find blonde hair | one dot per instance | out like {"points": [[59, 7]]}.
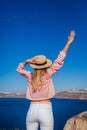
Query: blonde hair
{"points": [[36, 79]]}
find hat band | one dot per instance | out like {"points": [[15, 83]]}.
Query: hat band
{"points": [[40, 64]]}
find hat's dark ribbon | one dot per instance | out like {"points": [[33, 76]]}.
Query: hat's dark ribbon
{"points": [[40, 64]]}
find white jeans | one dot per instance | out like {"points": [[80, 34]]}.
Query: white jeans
{"points": [[40, 113]]}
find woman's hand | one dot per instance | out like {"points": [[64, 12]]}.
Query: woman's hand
{"points": [[71, 37], [70, 40], [28, 61]]}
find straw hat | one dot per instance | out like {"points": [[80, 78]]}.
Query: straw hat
{"points": [[40, 62]]}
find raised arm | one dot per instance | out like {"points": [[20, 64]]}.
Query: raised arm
{"points": [[58, 63], [70, 40]]}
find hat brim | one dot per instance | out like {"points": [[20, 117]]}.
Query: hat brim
{"points": [[48, 64]]}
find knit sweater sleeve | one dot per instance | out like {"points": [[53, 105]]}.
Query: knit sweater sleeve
{"points": [[58, 63]]}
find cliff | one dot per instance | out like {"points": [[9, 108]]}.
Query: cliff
{"points": [[72, 94], [78, 122]]}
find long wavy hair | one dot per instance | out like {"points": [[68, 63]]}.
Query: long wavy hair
{"points": [[36, 79]]}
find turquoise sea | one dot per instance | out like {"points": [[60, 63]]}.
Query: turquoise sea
{"points": [[13, 112]]}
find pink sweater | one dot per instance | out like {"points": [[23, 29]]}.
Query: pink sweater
{"points": [[47, 90]]}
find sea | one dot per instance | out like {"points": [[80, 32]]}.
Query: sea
{"points": [[13, 112]]}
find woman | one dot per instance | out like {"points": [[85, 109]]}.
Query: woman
{"points": [[40, 87]]}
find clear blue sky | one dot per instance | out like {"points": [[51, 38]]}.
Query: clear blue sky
{"points": [[32, 27]]}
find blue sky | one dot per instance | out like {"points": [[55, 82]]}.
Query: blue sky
{"points": [[32, 27]]}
